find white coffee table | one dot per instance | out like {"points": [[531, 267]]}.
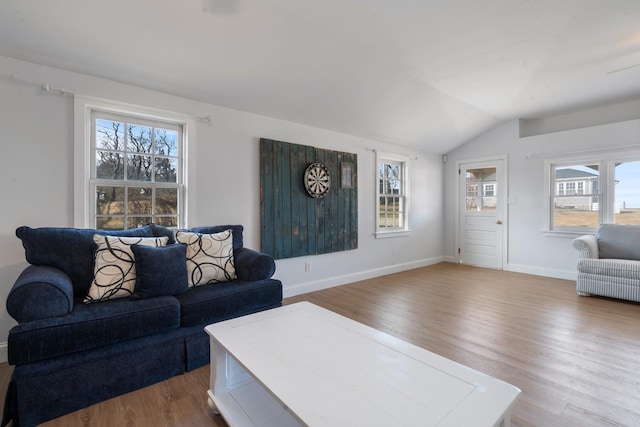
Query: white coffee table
{"points": [[302, 365]]}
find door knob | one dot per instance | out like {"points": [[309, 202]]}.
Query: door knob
{"points": [[498, 222]]}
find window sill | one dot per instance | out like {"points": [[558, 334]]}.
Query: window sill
{"points": [[567, 234], [389, 234]]}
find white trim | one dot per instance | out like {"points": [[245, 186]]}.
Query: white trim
{"points": [[83, 106], [541, 271], [330, 282], [394, 233]]}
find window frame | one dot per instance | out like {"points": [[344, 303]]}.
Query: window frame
{"points": [[403, 162], [85, 182], [606, 162]]}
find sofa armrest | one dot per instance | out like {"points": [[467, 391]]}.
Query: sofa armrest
{"points": [[253, 265], [587, 246], [40, 292]]}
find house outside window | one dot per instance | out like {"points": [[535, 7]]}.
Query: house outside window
{"points": [[489, 190], [605, 190], [392, 195], [134, 167], [485, 179]]}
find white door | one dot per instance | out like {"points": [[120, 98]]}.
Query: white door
{"points": [[481, 224]]}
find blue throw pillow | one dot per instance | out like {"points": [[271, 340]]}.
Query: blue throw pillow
{"points": [[160, 270]]}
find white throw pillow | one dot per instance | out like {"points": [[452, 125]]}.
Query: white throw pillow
{"points": [[114, 274], [209, 257]]}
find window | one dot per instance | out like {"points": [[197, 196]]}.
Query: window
{"points": [[489, 190], [134, 168], [589, 193], [392, 200]]}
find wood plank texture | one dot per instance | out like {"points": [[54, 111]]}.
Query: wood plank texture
{"points": [[293, 223], [576, 359]]}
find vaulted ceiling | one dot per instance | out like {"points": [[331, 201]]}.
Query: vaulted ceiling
{"points": [[430, 74]]}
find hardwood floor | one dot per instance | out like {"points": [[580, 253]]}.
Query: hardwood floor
{"points": [[576, 359]]}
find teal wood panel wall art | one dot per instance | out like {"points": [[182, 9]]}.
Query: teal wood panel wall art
{"points": [[293, 223]]}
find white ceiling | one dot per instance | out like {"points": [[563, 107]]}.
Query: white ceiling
{"points": [[423, 73]]}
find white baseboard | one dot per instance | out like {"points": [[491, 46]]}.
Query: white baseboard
{"points": [[546, 272], [3, 352], [305, 287]]}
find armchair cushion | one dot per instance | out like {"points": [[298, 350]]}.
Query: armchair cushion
{"points": [[612, 268], [40, 292], [619, 241]]}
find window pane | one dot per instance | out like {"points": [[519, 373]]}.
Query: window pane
{"points": [[167, 221], [576, 203], [109, 165], [139, 168], [110, 223], [576, 211], [627, 193], [166, 169], [109, 135], [392, 172], [137, 222], [109, 200], [139, 139], [167, 201], [481, 189], [139, 200], [166, 142], [571, 178]]}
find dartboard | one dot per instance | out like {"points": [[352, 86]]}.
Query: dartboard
{"points": [[317, 180]]}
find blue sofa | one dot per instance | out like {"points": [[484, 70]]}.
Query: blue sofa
{"points": [[69, 354]]}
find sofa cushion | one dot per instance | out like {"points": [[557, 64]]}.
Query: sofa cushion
{"points": [[619, 241], [69, 249], [40, 292], [91, 326], [114, 267], [209, 256], [220, 301], [160, 271]]}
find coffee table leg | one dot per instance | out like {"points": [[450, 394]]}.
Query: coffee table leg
{"points": [[218, 383], [213, 406]]}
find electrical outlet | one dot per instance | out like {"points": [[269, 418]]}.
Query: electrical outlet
{"points": [[307, 266]]}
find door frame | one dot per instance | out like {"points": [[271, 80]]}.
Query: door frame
{"points": [[503, 203]]}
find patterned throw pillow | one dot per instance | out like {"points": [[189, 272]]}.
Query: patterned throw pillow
{"points": [[114, 274], [209, 257]]}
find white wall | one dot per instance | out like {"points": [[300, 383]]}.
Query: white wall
{"points": [[36, 185], [530, 249]]}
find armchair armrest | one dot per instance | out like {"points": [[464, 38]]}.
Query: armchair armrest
{"points": [[253, 265], [40, 292], [587, 246]]}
